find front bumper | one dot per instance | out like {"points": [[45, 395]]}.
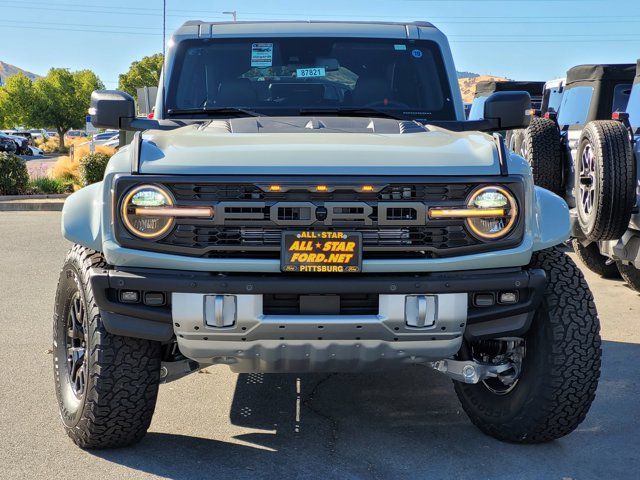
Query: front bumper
{"points": [[256, 340]]}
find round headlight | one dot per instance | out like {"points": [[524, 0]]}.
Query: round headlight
{"points": [[140, 212], [497, 212]]}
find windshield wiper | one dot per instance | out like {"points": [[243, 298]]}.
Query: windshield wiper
{"points": [[231, 111], [350, 112]]}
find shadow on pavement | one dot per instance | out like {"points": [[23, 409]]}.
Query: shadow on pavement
{"points": [[405, 424]]}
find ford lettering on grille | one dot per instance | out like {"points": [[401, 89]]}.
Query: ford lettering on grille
{"points": [[328, 213]]}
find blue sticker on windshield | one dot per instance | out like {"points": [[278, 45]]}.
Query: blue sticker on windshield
{"points": [[417, 53]]}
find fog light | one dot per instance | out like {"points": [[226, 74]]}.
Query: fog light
{"points": [[508, 297], [154, 299], [484, 299], [129, 296]]}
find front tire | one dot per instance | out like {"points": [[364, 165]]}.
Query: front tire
{"points": [[106, 385], [560, 369]]}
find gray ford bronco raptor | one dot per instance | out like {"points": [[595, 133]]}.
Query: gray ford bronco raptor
{"points": [[309, 197]]}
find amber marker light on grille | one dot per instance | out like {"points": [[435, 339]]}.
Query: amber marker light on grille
{"points": [[321, 188], [367, 188], [275, 188]]}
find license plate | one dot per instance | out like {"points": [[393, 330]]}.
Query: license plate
{"points": [[321, 252]]}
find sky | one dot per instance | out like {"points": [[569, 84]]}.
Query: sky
{"points": [[518, 39]]}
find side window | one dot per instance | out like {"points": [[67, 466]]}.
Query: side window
{"points": [[621, 97], [633, 107], [575, 106]]}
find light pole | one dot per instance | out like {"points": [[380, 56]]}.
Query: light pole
{"points": [[233, 13], [164, 24]]}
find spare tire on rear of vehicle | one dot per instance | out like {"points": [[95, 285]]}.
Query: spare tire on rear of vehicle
{"points": [[605, 176], [541, 147]]}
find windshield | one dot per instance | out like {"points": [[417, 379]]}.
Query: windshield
{"points": [[281, 76]]}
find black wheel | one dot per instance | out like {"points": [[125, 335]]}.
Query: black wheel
{"points": [[541, 147], [550, 393], [605, 180], [630, 274], [591, 257], [106, 384]]}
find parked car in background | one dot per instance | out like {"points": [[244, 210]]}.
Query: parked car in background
{"points": [[7, 144], [22, 143], [35, 151], [38, 133], [75, 133], [488, 87], [52, 133], [106, 136], [583, 155], [23, 134], [612, 147]]}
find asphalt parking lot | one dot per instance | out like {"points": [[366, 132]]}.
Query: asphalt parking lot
{"points": [[217, 424]]}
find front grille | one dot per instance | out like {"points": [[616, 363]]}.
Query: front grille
{"points": [[203, 237], [390, 215], [215, 192]]}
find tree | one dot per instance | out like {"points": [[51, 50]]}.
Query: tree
{"points": [[62, 99], [17, 102], [142, 73]]}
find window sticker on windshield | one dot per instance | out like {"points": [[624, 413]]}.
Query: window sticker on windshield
{"points": [[262, 55], [400, 47], [311, 72], [417, 53]]}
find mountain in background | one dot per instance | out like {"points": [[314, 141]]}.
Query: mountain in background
{"points": [[467, 74], [468, 82], [7, 70]]}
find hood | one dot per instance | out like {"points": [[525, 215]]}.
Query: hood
{"points": [[323, 145]]}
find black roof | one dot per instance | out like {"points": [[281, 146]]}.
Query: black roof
{"points": [[595, 73], [487, 87]]}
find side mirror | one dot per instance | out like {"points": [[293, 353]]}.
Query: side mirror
{"points": [[508, 110], [112, 109]]}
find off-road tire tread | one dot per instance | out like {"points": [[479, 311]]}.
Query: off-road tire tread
{"points": [[629, 274], [125, 374], [616, 170], [591, 257], [544, 154], [571, 366]]}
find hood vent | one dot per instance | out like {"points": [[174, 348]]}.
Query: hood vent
{"points": [[320, 124]]}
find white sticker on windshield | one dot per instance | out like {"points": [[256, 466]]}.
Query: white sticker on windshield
{"points": [[311, 72], [262, 55]]}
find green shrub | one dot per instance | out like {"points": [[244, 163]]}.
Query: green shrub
{"points": [[14, 176], [92, 167], [45, 185]]}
